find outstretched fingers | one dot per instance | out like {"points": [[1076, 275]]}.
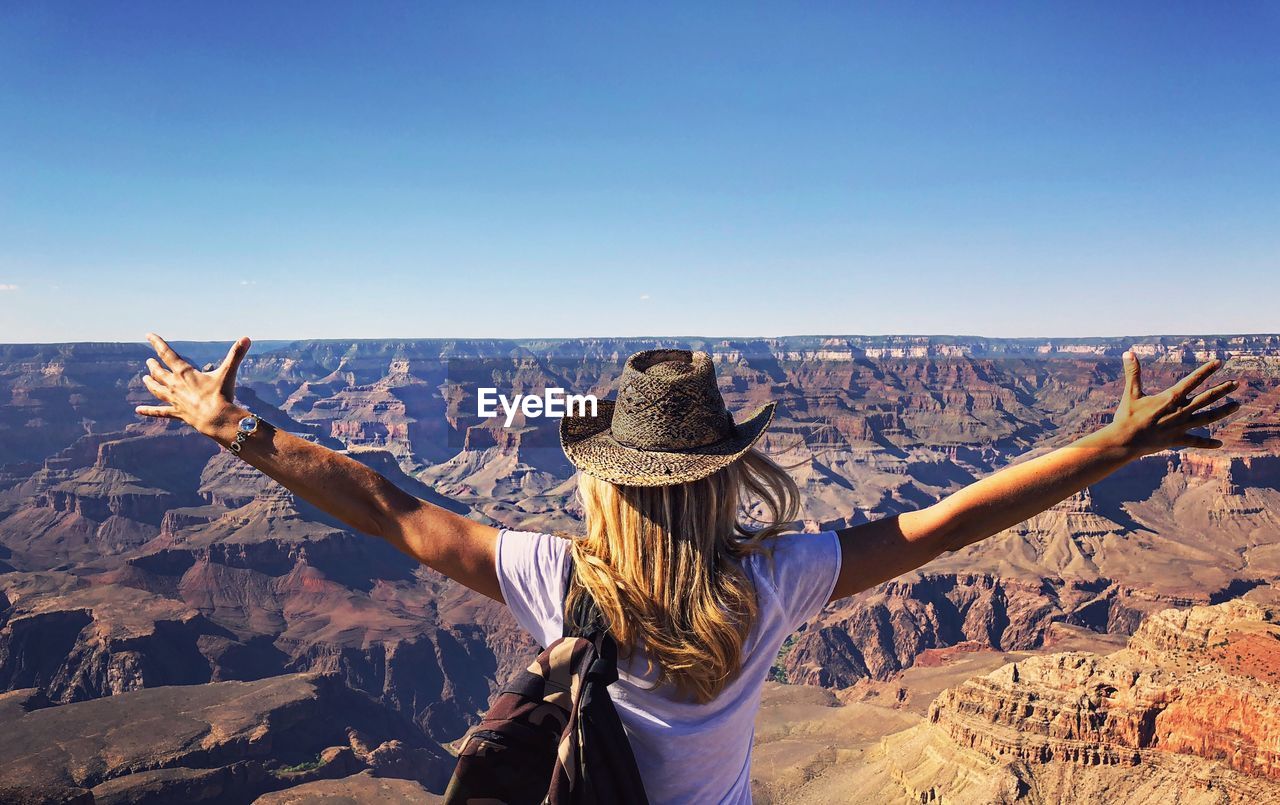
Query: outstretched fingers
{"points": [[1132, 376], [163, 411], [235, 355], [157, 371], [231, 364], [1184, 386], [160, 390], [1211, 415], [1210, 396], [175, 362]]}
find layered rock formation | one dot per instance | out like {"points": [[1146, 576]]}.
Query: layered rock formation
{"points": [[1189, 712], [135, 556]]}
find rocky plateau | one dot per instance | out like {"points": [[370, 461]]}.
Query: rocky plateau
{"points": [[174, 625]]}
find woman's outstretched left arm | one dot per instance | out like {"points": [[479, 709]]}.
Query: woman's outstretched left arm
{"points": [[882, 549], [337, 484]]}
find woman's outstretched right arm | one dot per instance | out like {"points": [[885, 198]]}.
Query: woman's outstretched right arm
{"points": [[882, 549], [337, 484]]}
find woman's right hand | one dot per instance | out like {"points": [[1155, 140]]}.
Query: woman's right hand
{"points": [[1151, 423]]}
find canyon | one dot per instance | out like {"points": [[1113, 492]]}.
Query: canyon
{"points": [[1117, 645]]}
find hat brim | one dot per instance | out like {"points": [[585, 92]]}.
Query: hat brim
{"points": [[589, 445]]}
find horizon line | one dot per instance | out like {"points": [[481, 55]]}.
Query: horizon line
{"points": [[1260, 334]]}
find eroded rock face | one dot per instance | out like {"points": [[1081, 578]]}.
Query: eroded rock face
{"points": [[134, 555], [219, 742], [883, 631], [419, 653], [1193, 704], [876, 634]]}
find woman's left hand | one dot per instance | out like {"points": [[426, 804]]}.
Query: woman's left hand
{"points": [[1146, 423], [204, 400]]}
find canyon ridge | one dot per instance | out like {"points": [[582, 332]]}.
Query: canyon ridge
{"points": [[174, 625]]}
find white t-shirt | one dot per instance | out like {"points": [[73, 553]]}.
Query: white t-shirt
{"points": [[686, 752]]}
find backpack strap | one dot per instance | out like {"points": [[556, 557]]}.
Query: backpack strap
{"points": [[586, 620], [606, 770]]}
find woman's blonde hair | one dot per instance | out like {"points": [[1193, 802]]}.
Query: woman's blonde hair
{"points": [[660, 563]]}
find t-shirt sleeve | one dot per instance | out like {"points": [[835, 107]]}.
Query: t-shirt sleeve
{"points": [[803, 573], [531, 569]]}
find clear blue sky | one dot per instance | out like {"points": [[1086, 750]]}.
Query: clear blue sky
{"points": [[294, 170]]}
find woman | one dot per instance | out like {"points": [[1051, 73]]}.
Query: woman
{"points": [[698, 602]]}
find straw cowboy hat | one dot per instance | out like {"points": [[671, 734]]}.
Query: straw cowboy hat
{"points": [[669, 424]]}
